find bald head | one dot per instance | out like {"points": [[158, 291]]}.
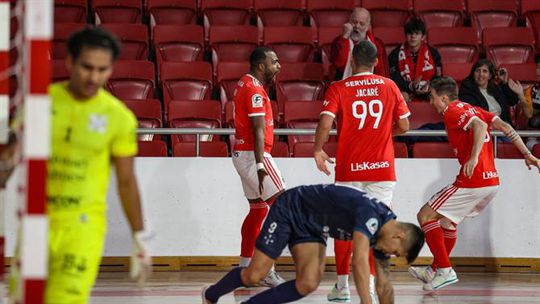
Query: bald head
{"points": [[360, 12], [360, 21]]}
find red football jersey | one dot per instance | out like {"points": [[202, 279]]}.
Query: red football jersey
{"points": [[250, 99], [366, 107], [457, 118]]}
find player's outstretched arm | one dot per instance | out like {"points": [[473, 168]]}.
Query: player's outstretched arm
{"points": [[360, 266], [508, 130], [141, 262], [321, 137], [385, 289], [479, 129]]}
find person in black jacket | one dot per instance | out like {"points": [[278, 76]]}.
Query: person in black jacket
{"points": [[491, 89]]}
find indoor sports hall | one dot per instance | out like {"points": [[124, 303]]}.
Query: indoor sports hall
{"points": [[178, 71]]}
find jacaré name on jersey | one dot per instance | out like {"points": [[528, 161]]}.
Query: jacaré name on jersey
{"points": [[369, 166], [364, 82], [367, 92]]}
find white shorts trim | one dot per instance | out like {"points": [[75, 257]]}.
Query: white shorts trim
{"points": [[383, 191], [244, 162], [457, 203]]}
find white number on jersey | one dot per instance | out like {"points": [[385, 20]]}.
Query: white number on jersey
{"points": [[361, 110]]}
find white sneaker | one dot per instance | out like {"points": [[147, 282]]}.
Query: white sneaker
{"points": [[272, 279], [203, 295], [424, 274], [342, 295], [443, 278]]}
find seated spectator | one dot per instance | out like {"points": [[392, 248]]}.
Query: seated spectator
{"points": [[491, 89], [532, 110], [356, 30], [414, 64]]}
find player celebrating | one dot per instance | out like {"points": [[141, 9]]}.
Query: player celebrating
{"points": [[368, 107], [303, 218], [90, 128], [475, 186], [254, 122]]}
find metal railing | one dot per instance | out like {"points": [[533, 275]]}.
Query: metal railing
{"points": [[204, 131]]}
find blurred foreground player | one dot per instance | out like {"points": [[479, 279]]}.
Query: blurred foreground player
{"points": [[476, 184], [90, 129], [303, 218]]}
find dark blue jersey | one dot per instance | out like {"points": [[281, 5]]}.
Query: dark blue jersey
{"points": [[336, 210]]}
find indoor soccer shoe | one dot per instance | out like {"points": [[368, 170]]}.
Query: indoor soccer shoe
{"points": [[342, 295], [424, 274], [443, 278], [272, 279], [203, 295]]}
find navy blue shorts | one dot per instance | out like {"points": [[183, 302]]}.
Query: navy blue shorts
{"points": [[285, 226]]}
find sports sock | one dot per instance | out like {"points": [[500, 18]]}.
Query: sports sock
{"points": [[450, 237], [251, 228], [371, 263], [228, 283], [343, 252], [284, 293], [435, 241]]}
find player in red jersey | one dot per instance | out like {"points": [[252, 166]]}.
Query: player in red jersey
{"points": [[254, 122], [475, 186], [369, 109]]}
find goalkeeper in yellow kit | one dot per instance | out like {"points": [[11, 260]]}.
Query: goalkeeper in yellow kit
{"points": [[91, 130]]}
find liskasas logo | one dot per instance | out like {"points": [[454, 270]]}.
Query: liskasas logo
{"points": [[489, 174], [369, 166]]}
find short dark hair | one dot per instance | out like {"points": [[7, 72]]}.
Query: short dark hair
{"points": [[92, 37], [445, 85], [365, 53], [415, 25], [415, 240], [481, 62], [258, 56]]}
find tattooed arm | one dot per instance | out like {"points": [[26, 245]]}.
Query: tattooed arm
{"points": [[385, 290]]}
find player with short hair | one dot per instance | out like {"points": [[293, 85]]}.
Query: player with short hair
{"points": [[90, 129], [475, 186], [254, 137], [303, 218], [369, 109]]}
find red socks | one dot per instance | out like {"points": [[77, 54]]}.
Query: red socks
{"points": [[436, 242], [343, 252], [252, 227]]}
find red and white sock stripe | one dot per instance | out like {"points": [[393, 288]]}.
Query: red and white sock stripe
{"points": [[34, 244], [427, 227], [276, 178], [443, 197]]}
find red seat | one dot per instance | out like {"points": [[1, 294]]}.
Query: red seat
{"points": [[232, 43], [324, 13], [178, 43], [157, 148], [421, 114], [458, 71], [433, 150], [148, 113], [400, 150], [186, 81], [228, 74], [117, 11], [132, 79], [70, 11], [305, 149], [206, 149], [392, 37], [59, 70], [134, 39], [280, 149], [388, 12], [301, 115], [62, 31], [440, 13], [325, 39], [536, 150], [279, 13], [509, 45], [172, 12], [530, 10], [300, 81], [291, 43], [458, 44], [524, 73], [230, 12], [508, 150], [492, 13], [194, 114]]}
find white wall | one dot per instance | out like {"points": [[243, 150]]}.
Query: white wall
{"points": [[195, 206]]}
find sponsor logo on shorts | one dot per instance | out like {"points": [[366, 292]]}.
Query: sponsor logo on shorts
{"points": [[372, 225], [257, 101], [489, 174], [369, 166]]}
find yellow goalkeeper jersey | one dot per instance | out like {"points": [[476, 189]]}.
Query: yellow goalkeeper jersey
{"points": [[85, 135]]}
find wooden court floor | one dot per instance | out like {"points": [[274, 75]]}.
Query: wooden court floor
{"points": [[184, 287]]}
